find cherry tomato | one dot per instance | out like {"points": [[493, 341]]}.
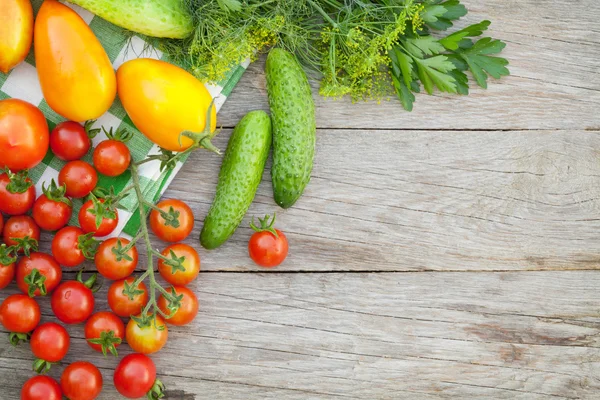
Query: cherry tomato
{"points": [[120, 303], [7, 265], [148, 339], [172, 231], [20, 227], [268, 247], [104, 331], [81, 381], [19, 313], [87, 220], [23, 135], [17, 198], [43, 281], [80, 177], [111, 157], [113, 265], [52, 210], [49, 343], [70, 246], [72, 302], [135, 376], [191, 263], [41, 387], [69, 140], [188, 309]]}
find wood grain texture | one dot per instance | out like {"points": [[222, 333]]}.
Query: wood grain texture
{"points": [[527, 335]]}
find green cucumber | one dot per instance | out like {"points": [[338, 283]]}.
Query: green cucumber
{"points": [[240, 175], [294, 126]]}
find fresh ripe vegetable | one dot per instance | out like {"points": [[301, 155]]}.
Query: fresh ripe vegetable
{"points": [[22, 232], [147, 339], [164, 101], [41, 387], [17, 193], [111, 157], [268, 247], [81, 380], [23, 134], [294, 126], [97, 218], [178, 224], [188, 306], [113, 262], [241, 172], [73, 301], [77, 78], [52, 210], [79, 177], [104, 331], [50, 344], [38, 274], [7, 264], [19, 313], [16, 33], [172, 271], [120, 303], [70, 141], [135, 376], [71, 246]]}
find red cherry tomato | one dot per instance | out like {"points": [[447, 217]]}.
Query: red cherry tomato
{"points": [[52, 210], [72, 302], [69, 141], [70, 246], [81, 381], [23, 135], [87, 220], [191, 264], [113, 263], [120, 303], [188, 309], [16, 198], [104, 331], [172, 231], [135, 376], [7, 265], [41, 387], [50, 344], [149, 338], [266, 248], [19, 313], [79, 177], [20, 227], [111, 157], [43, 281]]}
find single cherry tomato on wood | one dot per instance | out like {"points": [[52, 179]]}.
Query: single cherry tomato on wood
{"points": [[135, 377], [38, 274], [8, 258], [268, 247], [186, 306], [104, 331], [19, 314], [79, 177], [52, 210], [49, 343], [70, 141], [183, 265], [81, 381], [121, 304], [98, 217], [41, 387], [22, 232], [71, 246], [73, 301], [175, 221], [148, 338], [114, 261], [17, 193], [112, 157]]}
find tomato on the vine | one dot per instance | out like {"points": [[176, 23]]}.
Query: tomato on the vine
{"points": [[174, 223], [81, 381], [120, 303], [268, 247], [112, 156], [186, 306], [113, 262], [70, 141], [104, 331], [7, 265], [95, 216], [41, 387], [172, 271], [19, 313], [38, 274], [150, 337], [22, 232], [73, 301], [17, 193], [52, 210], [135, 376], [71, 246], [49, 343], [79, 177]]}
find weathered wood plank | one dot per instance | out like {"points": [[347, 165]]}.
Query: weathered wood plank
{"points": [[504, 335]]}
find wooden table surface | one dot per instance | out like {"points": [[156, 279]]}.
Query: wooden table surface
{"points": [[451, 252]]}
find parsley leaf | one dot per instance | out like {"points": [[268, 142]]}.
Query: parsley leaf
{"points": [[230, 5], [433, 71], [481, 64], [424, 45], [433, 17], [453, 41]]}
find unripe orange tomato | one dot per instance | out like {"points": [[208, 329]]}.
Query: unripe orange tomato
{"points": [[16, 32]]}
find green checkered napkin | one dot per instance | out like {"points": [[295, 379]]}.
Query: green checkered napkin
{"points": [[22, 83]]}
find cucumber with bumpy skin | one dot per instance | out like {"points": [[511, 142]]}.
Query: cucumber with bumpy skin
{"points": [[240, 175], [294, 126]]}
